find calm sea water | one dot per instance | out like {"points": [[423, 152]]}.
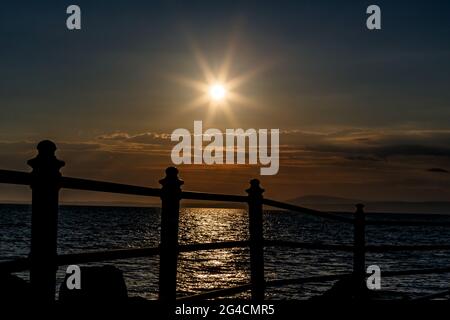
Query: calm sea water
{"points": [[84, 228]]}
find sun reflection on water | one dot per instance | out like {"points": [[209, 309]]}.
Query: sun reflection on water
{"points": [[105, 228], [211, 269]]}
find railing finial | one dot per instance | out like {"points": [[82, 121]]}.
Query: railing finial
{"points": [[46, 147], [255, 188], [46, 162], [171, 180]]}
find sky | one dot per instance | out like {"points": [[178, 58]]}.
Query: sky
{"points": [[362, 114]]}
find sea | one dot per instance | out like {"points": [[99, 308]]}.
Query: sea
{"points": [[91, 228]]}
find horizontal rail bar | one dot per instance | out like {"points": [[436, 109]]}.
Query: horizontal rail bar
{"points": [[110, 187], [101, 186], [283, 282], [414, 272], [339, 276], [406, 223], [213, 196], [312, 212], [23, 264], [390, 248], [272, 283], [17, 265], [97, 256], [433, 296], [216, 293], [303, 245], [15, 177], [350, 248], [212, 246], [24, 178]]}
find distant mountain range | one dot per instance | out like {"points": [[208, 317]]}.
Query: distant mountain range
{"points": [[327, 203]]}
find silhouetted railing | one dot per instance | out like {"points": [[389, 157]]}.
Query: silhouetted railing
{"points": [[46, 181]]}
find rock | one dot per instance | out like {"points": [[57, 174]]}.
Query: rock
{"points": [[98, 284], [13, 289]]}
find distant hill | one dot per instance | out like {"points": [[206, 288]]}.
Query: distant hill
{"points": [[319, 199], [326, 203]]}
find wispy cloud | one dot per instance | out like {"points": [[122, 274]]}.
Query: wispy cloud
{"points": [[347, 162], [438, 170]]}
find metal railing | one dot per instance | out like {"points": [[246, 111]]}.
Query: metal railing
{"points": [[46, 181]]}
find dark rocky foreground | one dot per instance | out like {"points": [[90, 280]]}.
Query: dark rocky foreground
{"points": [[106, 284]]}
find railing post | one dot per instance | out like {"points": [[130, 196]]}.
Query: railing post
{"points": [[44, 221], [359, 253], [170, 211], [255, 210]]}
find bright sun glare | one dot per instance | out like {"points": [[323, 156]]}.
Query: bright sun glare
{"points": [[217, 92]]}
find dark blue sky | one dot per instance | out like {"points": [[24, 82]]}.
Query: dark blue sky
{"points": [[345, 91]]}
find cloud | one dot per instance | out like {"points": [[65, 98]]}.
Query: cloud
{"points": [[412, 150], [370, 145], [116, 136], [333, 148], [438, 170], [79, 146], [364, 162], [296, 146], [363, 158], [152, 138]]}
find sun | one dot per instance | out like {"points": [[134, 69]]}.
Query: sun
{"points": [[217, 92], [219, 88]]}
